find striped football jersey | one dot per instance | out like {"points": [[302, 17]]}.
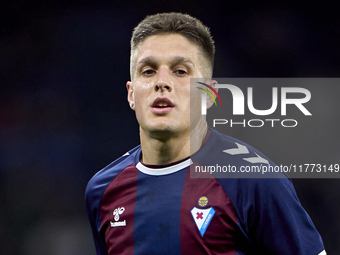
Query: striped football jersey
{"points": [[195, 207]]}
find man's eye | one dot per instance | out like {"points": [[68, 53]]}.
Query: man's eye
{"points": [[148, 72], [180, 72]]}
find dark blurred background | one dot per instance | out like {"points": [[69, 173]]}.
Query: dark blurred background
{"points": [[64, 115]]}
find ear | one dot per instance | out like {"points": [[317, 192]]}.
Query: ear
{"points": [[210, 101], [130, 96]]}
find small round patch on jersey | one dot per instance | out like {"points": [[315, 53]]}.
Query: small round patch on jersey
{"points": [[203, 201]]}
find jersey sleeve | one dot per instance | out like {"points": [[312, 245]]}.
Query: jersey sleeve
{"points": [[269, 212], [95, 190], [277, 223], [92, 199]]}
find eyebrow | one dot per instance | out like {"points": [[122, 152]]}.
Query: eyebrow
{"points": [[174, 61]]}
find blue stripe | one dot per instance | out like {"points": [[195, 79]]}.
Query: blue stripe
{"points": [[207, 221], [157, 214]]}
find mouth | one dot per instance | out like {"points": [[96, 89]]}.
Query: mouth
{"points": [[161, 106], [162, 103]]}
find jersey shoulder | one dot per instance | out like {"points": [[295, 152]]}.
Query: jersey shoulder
{"points": [[223, 150], [98, 183], [267, 205], [238, 149]]}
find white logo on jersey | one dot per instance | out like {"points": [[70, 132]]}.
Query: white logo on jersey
{"points": [[241, 149], [118, 211]]}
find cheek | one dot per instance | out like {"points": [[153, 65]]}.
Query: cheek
{"points": [[142, 101], [139, 106], [139, 95], [139, 111], [143, 84], [142, 90], [195, 98]]}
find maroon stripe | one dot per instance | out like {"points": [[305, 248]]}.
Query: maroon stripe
{"points": [[120, 193], [220, 235]]}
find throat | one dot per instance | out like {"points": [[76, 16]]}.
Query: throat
{"points": [[163, 151]]}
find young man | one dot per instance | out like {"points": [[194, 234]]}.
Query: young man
{"points": [[145, 202]]}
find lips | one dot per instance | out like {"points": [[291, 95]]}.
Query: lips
{"points": [[161, 106], [162, 102]]}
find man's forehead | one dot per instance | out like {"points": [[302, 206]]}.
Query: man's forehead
{"points": [[172, 46]]}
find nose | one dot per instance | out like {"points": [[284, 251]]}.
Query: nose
{"points": [[164, 81]]}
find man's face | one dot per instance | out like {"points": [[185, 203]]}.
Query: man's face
{"points": [[160, 88]]}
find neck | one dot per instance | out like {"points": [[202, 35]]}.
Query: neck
{"points": [[164, 147]]}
